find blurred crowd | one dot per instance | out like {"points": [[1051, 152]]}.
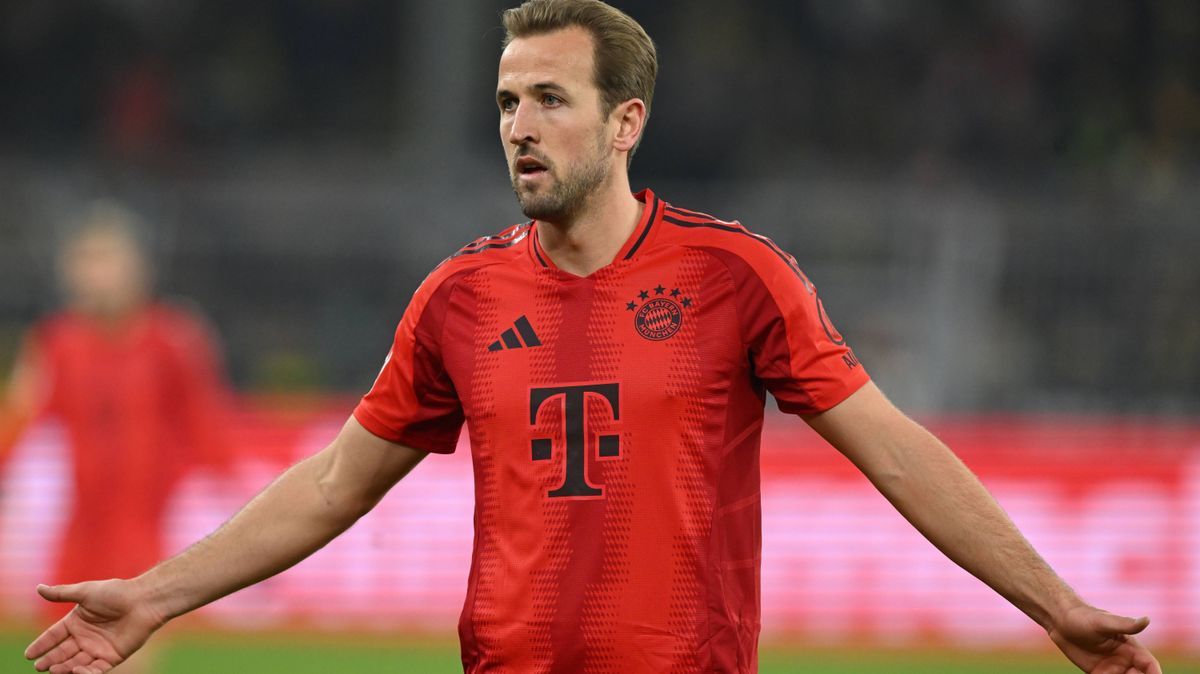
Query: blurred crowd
{"points": [[1045, 156], [1008, 85], [144, 80]]}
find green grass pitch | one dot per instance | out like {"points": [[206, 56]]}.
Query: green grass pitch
{"points": [[299, 654]]}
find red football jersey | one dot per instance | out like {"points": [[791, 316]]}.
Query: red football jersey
{"points": [[614, 423], [140, 404]]}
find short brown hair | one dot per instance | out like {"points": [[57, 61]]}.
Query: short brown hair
{"points": [[626, 61]]}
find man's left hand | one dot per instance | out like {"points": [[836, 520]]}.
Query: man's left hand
{"points": [[1099, 642]]}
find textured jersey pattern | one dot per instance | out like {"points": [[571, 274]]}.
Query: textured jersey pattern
{"points": [[614, 423]]}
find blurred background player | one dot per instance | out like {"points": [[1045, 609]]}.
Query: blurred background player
{"points": [[138, 390]]}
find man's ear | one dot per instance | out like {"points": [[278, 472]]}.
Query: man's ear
{"points": [[630, 117]]}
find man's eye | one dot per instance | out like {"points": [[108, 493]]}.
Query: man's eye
{"points": [[551, 99], [508, 105]]}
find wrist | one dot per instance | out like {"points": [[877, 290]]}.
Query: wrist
{"points": [[1054, 612], [155, 595]]}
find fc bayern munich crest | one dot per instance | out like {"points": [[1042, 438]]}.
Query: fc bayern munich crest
{"points": [[658, 314]]}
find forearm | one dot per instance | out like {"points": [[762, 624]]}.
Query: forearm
{"points": [[945, 501], [289, 520]]}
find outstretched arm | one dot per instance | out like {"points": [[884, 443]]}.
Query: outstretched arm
{"points": [[305, 508], [944, 500]]}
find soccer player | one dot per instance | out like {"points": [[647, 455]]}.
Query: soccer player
{"points": [[611, 358], [138, 391]]}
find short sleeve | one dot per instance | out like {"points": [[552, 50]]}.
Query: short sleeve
{"points": [[413, 401], [793, 346]]}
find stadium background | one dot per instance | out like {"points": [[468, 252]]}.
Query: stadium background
{"points": [[999, 200]]}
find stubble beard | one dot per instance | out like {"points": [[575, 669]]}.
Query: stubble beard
{"points": [[566, 197]]}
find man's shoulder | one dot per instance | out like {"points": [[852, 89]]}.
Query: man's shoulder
{"points": [[54, 329], [492, 249], [725, 239], [56, 321], [179, 320], [494, 246], [175, 312], [499, 248]]}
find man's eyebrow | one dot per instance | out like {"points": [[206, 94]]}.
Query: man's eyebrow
{"points": [[540, 86]]}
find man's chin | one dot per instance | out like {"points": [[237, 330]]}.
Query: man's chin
{"points": [[540, 209]]}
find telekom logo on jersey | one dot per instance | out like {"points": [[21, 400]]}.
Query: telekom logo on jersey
{"points": [[575, 433]]}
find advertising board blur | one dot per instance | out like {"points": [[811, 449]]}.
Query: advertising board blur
{"points": [[1113, 505]]}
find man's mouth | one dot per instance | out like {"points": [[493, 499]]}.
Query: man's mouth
{"points": [[529, 167]]}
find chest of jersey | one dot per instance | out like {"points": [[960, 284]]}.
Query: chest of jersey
{"points": [[574, 383], [112, 386]]}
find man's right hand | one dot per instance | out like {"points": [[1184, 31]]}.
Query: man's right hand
{"points": [[309, 505], [108, 624]]}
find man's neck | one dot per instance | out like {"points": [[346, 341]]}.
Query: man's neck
{"points": [[113, 318], [593, 238]]}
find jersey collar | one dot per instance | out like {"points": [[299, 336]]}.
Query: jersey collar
{"points": [[652, 212]]}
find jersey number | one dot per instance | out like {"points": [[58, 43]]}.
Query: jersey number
{"points": [[575, 433]]}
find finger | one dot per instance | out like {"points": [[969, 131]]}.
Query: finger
{"points": [[1114, 626], [1144, 661], [65, 651], [1137, 659], [63, 593], [47, 640], [97, 667], [81, 659]]}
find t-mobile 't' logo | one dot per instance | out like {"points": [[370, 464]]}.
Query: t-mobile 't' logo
{"points": [[575, 483]]}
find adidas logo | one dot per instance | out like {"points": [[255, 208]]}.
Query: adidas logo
{"points": [[509, 339]]}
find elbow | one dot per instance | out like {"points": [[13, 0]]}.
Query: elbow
{"points": [[890, 473], [891, 479], [337, 501], [342, 505], [358, 506]]}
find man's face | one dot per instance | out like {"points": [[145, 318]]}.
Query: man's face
{"points": [[557, 141], [104, 273]]}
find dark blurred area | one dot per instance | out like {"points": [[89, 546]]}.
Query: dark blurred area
{"points": [[999, 200]]}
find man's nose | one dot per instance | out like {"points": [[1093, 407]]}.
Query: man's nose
{"points": [[523, 128]]}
